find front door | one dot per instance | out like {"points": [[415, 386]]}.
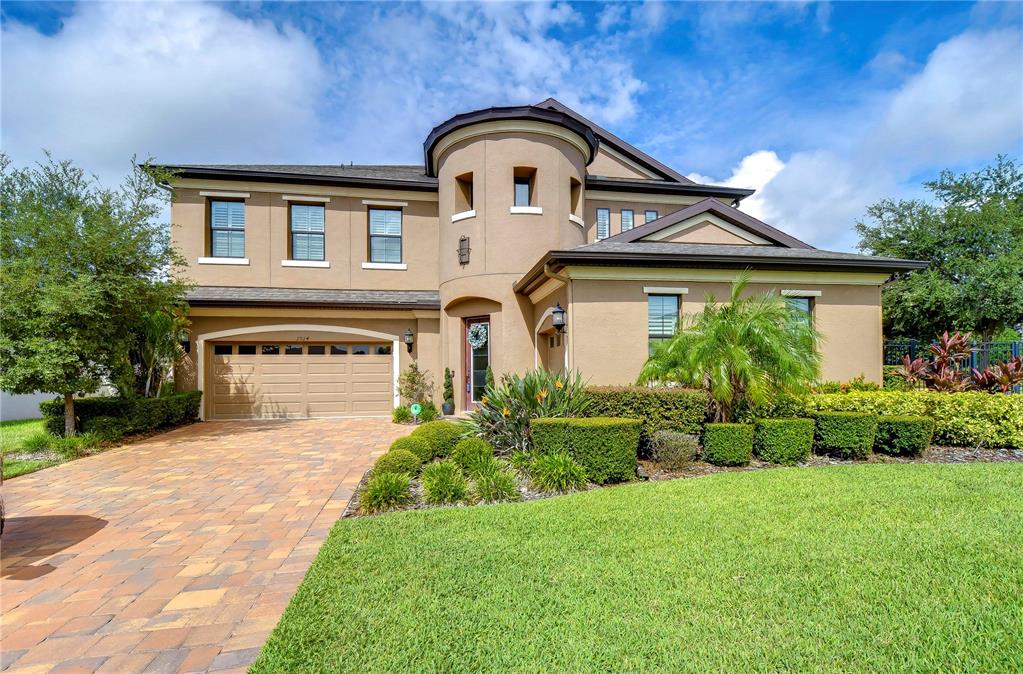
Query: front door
{"points": [[477, 358]]}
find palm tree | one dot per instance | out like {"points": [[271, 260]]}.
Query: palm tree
{"points": [[749, 350]]}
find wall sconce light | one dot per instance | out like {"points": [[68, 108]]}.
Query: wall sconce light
{"points": [[463, 250], [409, 339], [558, 318]]}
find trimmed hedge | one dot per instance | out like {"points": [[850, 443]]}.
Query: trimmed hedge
{"points": [[661, 409], [785, 441], [420, 447], [904, 435], [136, 415], [728, 444], [847, 435], [442, 436], [605, 447], [965, 419]]}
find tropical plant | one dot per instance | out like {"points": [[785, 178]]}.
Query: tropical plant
{"points": [[443, 482], [385, 491], [493, 482], [154, 350], [79, 265], [945, 368], [415, 385], [557, 472], [503, 414], [489, 377], [745, 352]]}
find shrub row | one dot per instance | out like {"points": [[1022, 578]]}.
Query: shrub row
{"points": [[109, 415], [661, 409], [965, 419], [605, 447], [848, 435]]}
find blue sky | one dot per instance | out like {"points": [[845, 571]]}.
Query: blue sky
{"points": [[824, 108]]}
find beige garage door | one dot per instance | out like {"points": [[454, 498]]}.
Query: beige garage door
{"points": [[277, 380]]}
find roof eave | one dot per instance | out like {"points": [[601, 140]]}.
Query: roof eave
{"points": [[661, 187], [306, 304], [299, 178]]}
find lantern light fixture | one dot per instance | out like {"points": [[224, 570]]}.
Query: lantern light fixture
{"points": [[558, 318], [409, 339]]}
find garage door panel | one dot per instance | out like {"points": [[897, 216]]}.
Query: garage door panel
{"points": [[274, 386]]}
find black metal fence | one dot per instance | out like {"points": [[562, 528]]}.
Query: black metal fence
{"points": [[983, 354]]}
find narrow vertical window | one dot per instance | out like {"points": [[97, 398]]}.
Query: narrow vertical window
{"points": [[307, 232], [227, 228], [649, 216], [463, 192], [662, 318], [575, 193], [384, 235], [523, 188], [626, 219], [603, 223]]}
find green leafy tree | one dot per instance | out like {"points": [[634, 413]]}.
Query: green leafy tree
{"points": [[746, 352], [972, 236], [80, 268]]}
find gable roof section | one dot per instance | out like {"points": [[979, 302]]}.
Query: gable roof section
{"points": [[607, 138], [714, 207]]}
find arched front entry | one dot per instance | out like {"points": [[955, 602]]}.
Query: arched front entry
{"points": [[473, 331], [297, 371]]}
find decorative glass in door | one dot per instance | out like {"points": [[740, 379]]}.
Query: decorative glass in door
{"points": [[477, 337]]}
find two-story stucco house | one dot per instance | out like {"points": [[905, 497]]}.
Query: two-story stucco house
{"points": [[316, 285]]}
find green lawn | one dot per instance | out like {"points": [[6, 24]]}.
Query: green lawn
{"points": [[13, 433], [851, 568]]}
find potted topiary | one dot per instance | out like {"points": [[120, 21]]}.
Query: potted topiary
{"points": [[449, 393]]}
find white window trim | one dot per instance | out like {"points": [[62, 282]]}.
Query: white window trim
{"points": [[394, 266], [225, 195], [224, 260], [790, 292], [384, 202], [319, 264], [665, 290], [572, 217], [306, 197], [464, 215], [526, 210]]}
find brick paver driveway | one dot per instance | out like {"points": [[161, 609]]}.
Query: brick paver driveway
{"points": [[176, 554]]}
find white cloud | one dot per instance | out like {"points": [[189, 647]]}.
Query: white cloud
{"points": [[965, 105], [192, 83]]}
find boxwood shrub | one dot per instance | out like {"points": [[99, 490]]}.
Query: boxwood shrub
{"points": [[728, 444], [137, 415], [786, 441], [965, 419], [847, 435], [420, 447], [397, 461], [605, 447], [660, 409], [442, 436], [906, 435]]}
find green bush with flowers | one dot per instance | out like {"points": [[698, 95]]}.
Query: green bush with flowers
{"points": [[504, 411]]}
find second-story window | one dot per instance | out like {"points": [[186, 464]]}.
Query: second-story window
{"points": [[385, 235], [463, 192], [603, 223], [522, 190], [227, 228], [649, 215], [626, 219], [306, 232]]}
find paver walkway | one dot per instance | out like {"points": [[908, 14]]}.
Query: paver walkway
{"points": [[175, 554]]}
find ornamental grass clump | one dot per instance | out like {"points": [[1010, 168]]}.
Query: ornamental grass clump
{"points": [[470, 452], [443, 482], [503, 414], [397, 461], [557, 472], [386, 491], [493, 482]]}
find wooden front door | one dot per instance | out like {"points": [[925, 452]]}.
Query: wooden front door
{"points": [[477, 359]]}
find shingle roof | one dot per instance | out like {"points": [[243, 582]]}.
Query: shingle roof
{"points": [[708, 250], [364, 299], [415, 173]]}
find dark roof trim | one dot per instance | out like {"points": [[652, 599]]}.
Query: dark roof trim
{"points": [[666, 187], [206, 173], [710, 205], [227, 296], [627, 149], [558, 259], [528, 112]]}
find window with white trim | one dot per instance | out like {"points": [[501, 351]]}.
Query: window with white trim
{"points": [[648, 216], [227, 228], [385, 235], [662, 318], [627, 219], [307, 235], [603, 223]]}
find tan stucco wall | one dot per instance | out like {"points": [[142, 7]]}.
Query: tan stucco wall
{"points": [[608, 326], [424, 325], [612, 167], [706, 232], [345, 244]]}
